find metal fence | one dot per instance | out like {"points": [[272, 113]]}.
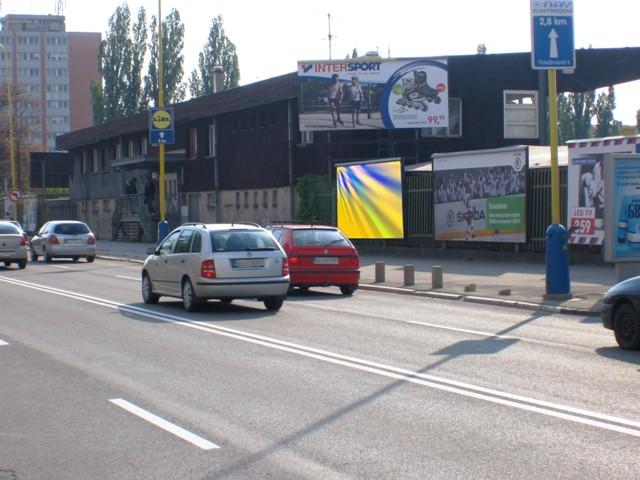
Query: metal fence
{"points": [[419, 219]]}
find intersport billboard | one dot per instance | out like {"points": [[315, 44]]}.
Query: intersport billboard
{"points": [[373, 93]]}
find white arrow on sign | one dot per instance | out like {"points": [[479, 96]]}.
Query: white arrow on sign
{"points": [[161, 134], [553, 46]]}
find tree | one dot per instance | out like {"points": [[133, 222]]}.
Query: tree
{"points": [[119, 94], [481, 49], [604, 107], [172, 60], [218, 50]]}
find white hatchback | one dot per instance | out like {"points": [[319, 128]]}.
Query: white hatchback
{"points": [[197, 262]]}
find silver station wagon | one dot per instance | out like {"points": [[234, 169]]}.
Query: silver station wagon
{"points": [[197, 262], [13, 245]]}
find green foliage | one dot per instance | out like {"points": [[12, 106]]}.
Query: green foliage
{"points": [[218, 50], [120, 60], [314, 191], [172, 60], [604, 107], [575, 111]]}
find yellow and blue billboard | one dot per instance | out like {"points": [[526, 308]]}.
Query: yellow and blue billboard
{"points": [[370, 199]]}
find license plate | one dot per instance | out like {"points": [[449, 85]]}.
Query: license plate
{"points": [[72, 241], [325, 260], [248, 263]]}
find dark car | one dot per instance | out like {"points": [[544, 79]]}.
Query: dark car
{"points": [[620, 313], [319, 255]]}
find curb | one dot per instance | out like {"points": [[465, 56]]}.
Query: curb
{"points": [[496, 302]]}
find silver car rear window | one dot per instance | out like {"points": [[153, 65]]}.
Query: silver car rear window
{"points": [[71, 229], [6, 229], [240, 240], [317, 237]]}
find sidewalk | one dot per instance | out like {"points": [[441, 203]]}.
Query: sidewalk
{"points": [[488, 277]]}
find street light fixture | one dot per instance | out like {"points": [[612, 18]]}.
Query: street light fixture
{"points": [[12, 155]]}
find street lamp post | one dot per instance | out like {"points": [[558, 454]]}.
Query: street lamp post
{"points": [[12, 154], [163, 226]]}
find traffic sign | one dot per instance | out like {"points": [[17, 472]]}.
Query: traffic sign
{"points": [[552, 36], [15, 195], [161, 126]]}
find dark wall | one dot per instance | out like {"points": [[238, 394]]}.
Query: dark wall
{"points": [[253, 147], [56, 166]]}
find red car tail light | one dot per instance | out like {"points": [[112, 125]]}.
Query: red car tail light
{"points": [[294, 260], [53, 240], [285, 266], [91, 240], [208, 269]]}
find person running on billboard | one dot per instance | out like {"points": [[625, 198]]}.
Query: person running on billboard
{"points": [[355, 92], [335, 94], [468, 216]]}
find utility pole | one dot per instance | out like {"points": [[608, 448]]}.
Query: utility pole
{"points": [[163, 226], [329, 37]]}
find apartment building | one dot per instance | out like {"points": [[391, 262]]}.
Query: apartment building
{"points": [[53, 69]]}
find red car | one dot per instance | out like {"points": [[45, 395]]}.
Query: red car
{"points": [[319, 255]]}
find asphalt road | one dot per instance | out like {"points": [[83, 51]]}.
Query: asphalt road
{"points": [[97, 385]]}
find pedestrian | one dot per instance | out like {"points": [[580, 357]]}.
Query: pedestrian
{"points": [[355, 93], [335, 95]]}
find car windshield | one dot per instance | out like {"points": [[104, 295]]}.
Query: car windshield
{"points": [[8, 229], [316, 237], [240, 240], [71, 229]]}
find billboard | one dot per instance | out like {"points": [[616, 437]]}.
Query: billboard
{"points": [[370, 199], [586, 185], [481, 196], [373, 93], [623, 207]]}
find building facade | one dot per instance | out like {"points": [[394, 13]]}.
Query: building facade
{"points": [[52, 70]]}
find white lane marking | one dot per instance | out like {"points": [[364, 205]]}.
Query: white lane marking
{"points": [[62, 267], [164, 424], [577, 415], [3, 343], [124, 277]]}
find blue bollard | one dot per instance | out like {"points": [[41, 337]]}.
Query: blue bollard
{"points": [[163, 230], [557, 261]]}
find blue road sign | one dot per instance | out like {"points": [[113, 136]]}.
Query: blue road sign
{"points": [[552, 37], [161, 126]]}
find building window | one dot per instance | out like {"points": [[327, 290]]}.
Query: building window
{"points": [[94, 206], [521, 114], [144, 146], [106, 205], [255, 199], [274, 199], [237, 199], [131, 149], [246, 199], [94, 161], [265, 199], [212, 140], [193, 143], [117, 151]]}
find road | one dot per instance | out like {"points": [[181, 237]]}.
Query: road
{"points": [[95, 384]]}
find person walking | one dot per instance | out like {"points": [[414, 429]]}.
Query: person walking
{"points": [[355, 92], [335, 94]]}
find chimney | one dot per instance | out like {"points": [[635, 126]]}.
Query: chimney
{"points": [[218, 79]]}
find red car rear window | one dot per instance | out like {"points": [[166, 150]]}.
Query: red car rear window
{"points": [[316, 237]]}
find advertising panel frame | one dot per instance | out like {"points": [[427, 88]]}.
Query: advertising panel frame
{"points": [[622, 207], [586, 187], [481, 195], [373, 93], [374, 200]]}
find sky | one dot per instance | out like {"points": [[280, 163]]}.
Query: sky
{"points": [[271, 36]]}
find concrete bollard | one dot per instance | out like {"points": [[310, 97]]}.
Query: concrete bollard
{"points": [[409, 275], [436, 277], [379, 272]]}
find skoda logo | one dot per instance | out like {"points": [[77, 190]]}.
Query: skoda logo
{"points": [[451, 218]]}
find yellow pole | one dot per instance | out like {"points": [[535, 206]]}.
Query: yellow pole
{"points": [[163, 206], [553, 137]]}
